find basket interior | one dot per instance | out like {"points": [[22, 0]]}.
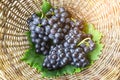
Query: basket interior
{"points": [[104, 14]]}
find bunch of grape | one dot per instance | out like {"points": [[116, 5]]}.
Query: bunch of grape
{"points": [[38, 35], [57, 58], [58, 20], [61, 39], [78, 53]]}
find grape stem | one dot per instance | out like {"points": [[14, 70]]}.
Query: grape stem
{"points": [[73, 19], [83, 41], [42, 16], [39, 25]]}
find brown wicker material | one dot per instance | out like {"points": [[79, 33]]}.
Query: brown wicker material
{"points": [[104, 14]]}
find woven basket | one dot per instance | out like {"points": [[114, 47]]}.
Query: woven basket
{"points": [[104, 14]]}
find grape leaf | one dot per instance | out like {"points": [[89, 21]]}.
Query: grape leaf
{"points": [[35, 60], [94, 55], [89, 28], [45, 6], [39, 14]]}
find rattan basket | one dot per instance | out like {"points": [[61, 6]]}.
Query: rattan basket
{"points": [[104, 14]]}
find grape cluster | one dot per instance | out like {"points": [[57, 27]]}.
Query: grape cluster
{"points": [[38, 35], [57, 58], [60, 38], [58, 19]]}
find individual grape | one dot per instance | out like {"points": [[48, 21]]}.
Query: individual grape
{"points": [[45, 38], [67, 20], [66, 45], [67, 27], [61, 9], [64, 14], [42, 48], [34, 15], [51, 21], [32, 28], [53, 31], [37, 50], [59, 30], [54, 18], [43, 44], [36, 21], [47, 29], [55, 26], [37, 29], [57, 15], [33, 34], [52, 9], [57, 35], [33, 40], [62, 19], [51, 36], [37, 41], [29, 20], [56, 11], [40, 35], [44, 22]]}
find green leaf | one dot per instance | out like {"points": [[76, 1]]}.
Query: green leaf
{"points": [[89, 28], [94, 55], [45, 6], [35, 60], [39, 14]]}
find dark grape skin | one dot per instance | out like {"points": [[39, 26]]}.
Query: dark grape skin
{"points": [[44, 22], [61, 9]]}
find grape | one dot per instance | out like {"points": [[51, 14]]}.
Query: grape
{"points": [[57, 15], [55, 26], [51, 21], [61, 9], [45, 38], [37, 46], [33, 34], [62, 19], [54, 18], [37, 41], [29, 20], [57, 35], [32, 28], [34, 15], [44, 22], [64, 14], [37, 29], [56, 11], [53, 31], [67, 20], [36, 20]]}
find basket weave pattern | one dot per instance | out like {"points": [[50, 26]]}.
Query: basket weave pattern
{"points": [[104, 14]]}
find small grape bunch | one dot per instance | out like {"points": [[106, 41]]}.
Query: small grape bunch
{"points": [[38, 35], [59, 27], [57, 58]]}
